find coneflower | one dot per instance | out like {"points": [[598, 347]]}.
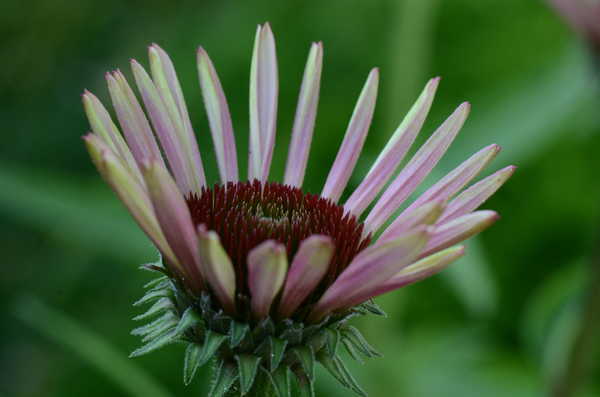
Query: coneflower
{"points": [[259, 276]]}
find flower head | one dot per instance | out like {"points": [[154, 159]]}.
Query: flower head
{"points": [[258, 273], [584, 18]]}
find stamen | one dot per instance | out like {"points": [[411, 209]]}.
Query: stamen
{"points": [[244, 214]]}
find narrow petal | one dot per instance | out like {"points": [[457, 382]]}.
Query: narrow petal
{"points": [[163, 125], [174, 218], [103, 126], [421, 269], [267, 267], [370, 269], [417, 169], [426, 214], [457, 178], [216, 268], [264, 87], [308, 268], [130, 192], [393, 152], [476, 195], [167, 83], [459, 229], [218, 117], [306, 113], [353, 140], [135, 126]]}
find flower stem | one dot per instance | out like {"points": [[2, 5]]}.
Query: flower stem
{"points": [[586, 344]]}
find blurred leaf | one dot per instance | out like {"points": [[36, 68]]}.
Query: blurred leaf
{"points": [[88, 346], [75, 214]]}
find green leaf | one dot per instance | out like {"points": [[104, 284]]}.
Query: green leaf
{"points": [[336, 367], [225, 376], [189, 319], [277, 351], [352, 350], [306, 385], [280, 379], [153, 295], [150, 327], [333, 339], [247, 368], [89, 347], [156, 344], [162, 305], [353, 335], [166, 326], [191, 362], [157, 283], [373, 308], [212, 342], [293, 332], [237, 332], [306, 357]]}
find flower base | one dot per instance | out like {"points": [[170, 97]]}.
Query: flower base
{"points": [[263, 358]]}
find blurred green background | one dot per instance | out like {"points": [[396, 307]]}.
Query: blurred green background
{"points": [[514, 318]]}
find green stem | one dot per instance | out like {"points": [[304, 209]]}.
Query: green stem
{"points": [[585, 346]]}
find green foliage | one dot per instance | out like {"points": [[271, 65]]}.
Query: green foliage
{"points": [[499, 323]]}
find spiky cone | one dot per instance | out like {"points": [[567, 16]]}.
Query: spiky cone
{"points": [[259, 277]]}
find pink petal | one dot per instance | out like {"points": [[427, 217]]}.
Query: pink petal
{"points": [[420, 270], [132, 119], [457, 178], [459, 229], [306, 113], [264, 86], [417, 169], [103, 126], [218, 117], [267, 267], [130, 192], [427, 214], [309, 266], [368, 270], [216, 268], [164, 127], [174, 218], [353, 140], [476, 195], [167, 84], [394, 151]]}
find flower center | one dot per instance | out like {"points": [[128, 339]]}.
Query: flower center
{"points": [[245, 214]]}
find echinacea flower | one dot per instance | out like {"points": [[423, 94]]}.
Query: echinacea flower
{"points": [[259, 275], [584, 18]]}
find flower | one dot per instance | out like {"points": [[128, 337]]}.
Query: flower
{"points": [[584, 18], [260, 274]]}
